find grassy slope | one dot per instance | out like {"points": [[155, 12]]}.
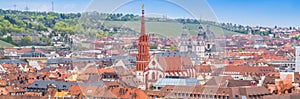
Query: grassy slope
{"points": [[170, 29], [5, 44]]}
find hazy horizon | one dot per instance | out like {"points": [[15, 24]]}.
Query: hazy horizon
{"points": [[269, 13]]}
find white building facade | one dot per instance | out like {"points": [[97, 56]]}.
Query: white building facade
{"points": [[297, 67]]}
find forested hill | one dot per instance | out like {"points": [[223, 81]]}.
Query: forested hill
{"points": [[35, 22], [12, 21]]}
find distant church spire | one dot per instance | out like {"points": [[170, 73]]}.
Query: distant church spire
{"points": [[184, 32], [200, 25], [201, 33], [249, 33]]}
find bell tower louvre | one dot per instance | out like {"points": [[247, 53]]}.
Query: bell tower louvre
{"points": [[143, 56]]}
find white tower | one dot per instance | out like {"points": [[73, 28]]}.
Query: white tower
{"points": [[183, 44], [249, 33], [200, 42], [297, 68]]}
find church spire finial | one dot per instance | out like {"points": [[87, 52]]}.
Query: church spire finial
{"points": [[143, 30]]}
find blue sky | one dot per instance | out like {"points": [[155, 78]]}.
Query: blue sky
{"points": [[255, 12], [245, 12], [66, 6]]}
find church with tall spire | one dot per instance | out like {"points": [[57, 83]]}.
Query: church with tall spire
{"points": [[143, 57], [160, 65]]}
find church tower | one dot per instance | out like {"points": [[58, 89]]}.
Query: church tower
{"points": [[143, 56], [200, 42], [249, 33], [183, 44], [209, 42]]}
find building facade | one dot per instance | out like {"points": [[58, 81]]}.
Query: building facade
{"points": [[297, 68], [202, 46]]}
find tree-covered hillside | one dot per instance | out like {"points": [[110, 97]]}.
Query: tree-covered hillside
{"points": [[34, 22], [51, 24]]}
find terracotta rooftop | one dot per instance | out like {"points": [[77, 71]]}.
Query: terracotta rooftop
{"points": [[175, 63]]}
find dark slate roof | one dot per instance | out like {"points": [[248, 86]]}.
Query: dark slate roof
{"points": [[60, 85], [123, 57], [58, 60], [202, 34], [116, 58], [70, 60], [33, 53], [280, 62], [13, 62], [166, 54], [176, 80], [98, 83], [236, 83], [172, 54], [84, 59]]}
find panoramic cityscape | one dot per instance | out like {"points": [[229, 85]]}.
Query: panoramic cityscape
{"points": [[149, 49]]}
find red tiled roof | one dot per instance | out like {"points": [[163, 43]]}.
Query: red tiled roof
{"points": [[129, 93], [106, 70], [249, 69], [175, 63], [74, 90], [93, 91], [3, 83], [204, 69], [22, 50]]}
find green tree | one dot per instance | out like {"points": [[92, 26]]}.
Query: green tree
{"points": [[60, 26], [98, 35], [64, 27], [153, 46], [44, 39], [101, 32], [1, 30], [173, 48], [26, 40], [240, 49], [108, 18], [9, 39]]}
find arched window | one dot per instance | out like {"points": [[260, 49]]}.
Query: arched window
{"points": [[153, 75]]}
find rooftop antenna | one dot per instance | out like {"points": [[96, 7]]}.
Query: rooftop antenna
{"points": [[15, 7], [166, 16], [26, 8], [52, 4], [200, 20]]}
